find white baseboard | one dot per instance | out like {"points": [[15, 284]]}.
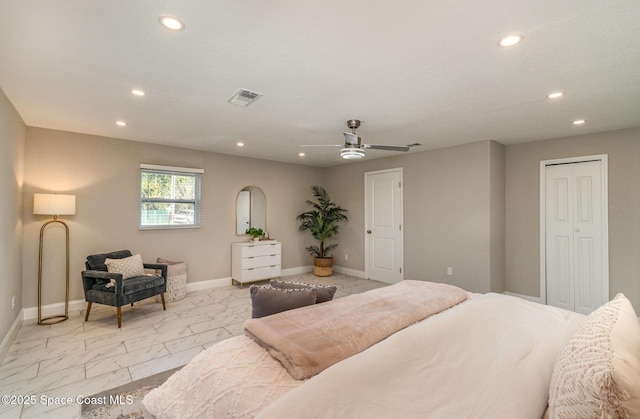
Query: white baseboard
{"points": [[297, 271], [10, 336], [525, 297], [351, 272], [53, 309], [211, 283]]}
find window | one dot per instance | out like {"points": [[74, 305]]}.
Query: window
{"points": [[169, 197]]}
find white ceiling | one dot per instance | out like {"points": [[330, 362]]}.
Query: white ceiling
{"points": [[423, 71]]}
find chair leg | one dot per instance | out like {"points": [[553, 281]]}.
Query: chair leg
{"points": [[164, 306], [86, 317], [131, 304], [119, 317]]}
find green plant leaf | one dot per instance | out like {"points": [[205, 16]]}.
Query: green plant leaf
{"points": [[322, 220], [255, 232]]}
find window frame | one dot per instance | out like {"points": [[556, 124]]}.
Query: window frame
{"points": [[172, 171]]}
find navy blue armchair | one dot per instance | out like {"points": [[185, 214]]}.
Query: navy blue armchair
{"points": [[96, 281]]}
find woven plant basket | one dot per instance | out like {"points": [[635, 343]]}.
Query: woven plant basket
{"points": [[176, 289], [323, 266]]}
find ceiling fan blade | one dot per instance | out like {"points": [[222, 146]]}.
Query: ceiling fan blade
{"points": [[321, 145], [386, 147]]}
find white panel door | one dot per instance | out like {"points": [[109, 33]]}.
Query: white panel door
{"points": [[560, 287], [575, 249], [383, 225]]}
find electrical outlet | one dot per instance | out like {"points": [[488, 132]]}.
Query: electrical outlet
{"points": [[346, 256], [449, 270], [13, 302]]}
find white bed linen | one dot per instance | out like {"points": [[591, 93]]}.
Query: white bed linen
{"points": [[491, 357]]}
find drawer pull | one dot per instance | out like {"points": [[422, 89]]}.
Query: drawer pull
{"points": [[273, 266], [273, 255], [251, 269], [250, 257]]}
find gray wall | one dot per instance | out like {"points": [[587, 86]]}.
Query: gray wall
{"points": [[103, 173], [453, 206], [473, 207], [523, 209], [12, 139], [496, 216]]}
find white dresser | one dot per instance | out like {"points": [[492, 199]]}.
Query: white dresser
{"points": [[251, 261]]}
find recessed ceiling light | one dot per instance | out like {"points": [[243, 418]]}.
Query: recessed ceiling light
{"points": [[301, 154], [137, 92], [509, 41], [579, 122], [555, 95], [240, 144], [171, 23], [121, 123]]}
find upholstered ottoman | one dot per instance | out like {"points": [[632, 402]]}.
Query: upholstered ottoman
{"points": [[176, 280]]}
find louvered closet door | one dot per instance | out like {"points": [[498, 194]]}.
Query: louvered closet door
{"points": [[574, 236]]}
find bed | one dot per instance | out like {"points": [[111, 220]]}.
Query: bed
{"points": [[477, 356]]}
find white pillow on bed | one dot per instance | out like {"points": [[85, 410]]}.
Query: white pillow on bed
{"points": [[598, 372]]}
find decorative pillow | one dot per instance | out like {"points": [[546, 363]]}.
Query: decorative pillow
{"points": [[325, 292], [266, 301], [174, 268], [129, 267], [597, 375]]}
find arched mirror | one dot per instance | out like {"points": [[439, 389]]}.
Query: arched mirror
{"points": [[251, 209]]}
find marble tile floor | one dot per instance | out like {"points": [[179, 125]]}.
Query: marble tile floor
{"points": [[54, 366]]}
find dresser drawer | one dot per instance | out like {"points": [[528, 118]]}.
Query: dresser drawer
{"points": [[259, 261], [254, 274], [260, 250], [255, 262]]}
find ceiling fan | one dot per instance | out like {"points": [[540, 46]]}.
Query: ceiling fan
{"points": [[353, 147]]}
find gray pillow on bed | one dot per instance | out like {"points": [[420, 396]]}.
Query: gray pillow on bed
{"points": [[325, 292], [266, 301]]}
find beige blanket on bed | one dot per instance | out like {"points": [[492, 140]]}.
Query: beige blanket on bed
{"points": [[310, 339]]}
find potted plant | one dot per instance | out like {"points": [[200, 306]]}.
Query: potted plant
{"points": [[256, 233], [323, 222]]}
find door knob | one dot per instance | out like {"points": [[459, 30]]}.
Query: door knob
{"points": [[368, 231]]}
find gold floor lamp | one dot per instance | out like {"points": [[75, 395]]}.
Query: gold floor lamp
{"points": [[53, 204]]}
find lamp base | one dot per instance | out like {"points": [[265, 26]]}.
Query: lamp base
{"points": [[45, 321]]}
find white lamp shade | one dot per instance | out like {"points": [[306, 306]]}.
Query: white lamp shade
{"points": [[54, 204]]}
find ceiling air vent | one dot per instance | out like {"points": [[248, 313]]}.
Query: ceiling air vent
{"points": [[244, 97]]}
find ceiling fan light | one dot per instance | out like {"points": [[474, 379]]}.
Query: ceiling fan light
{"points": [[351, 153]]}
